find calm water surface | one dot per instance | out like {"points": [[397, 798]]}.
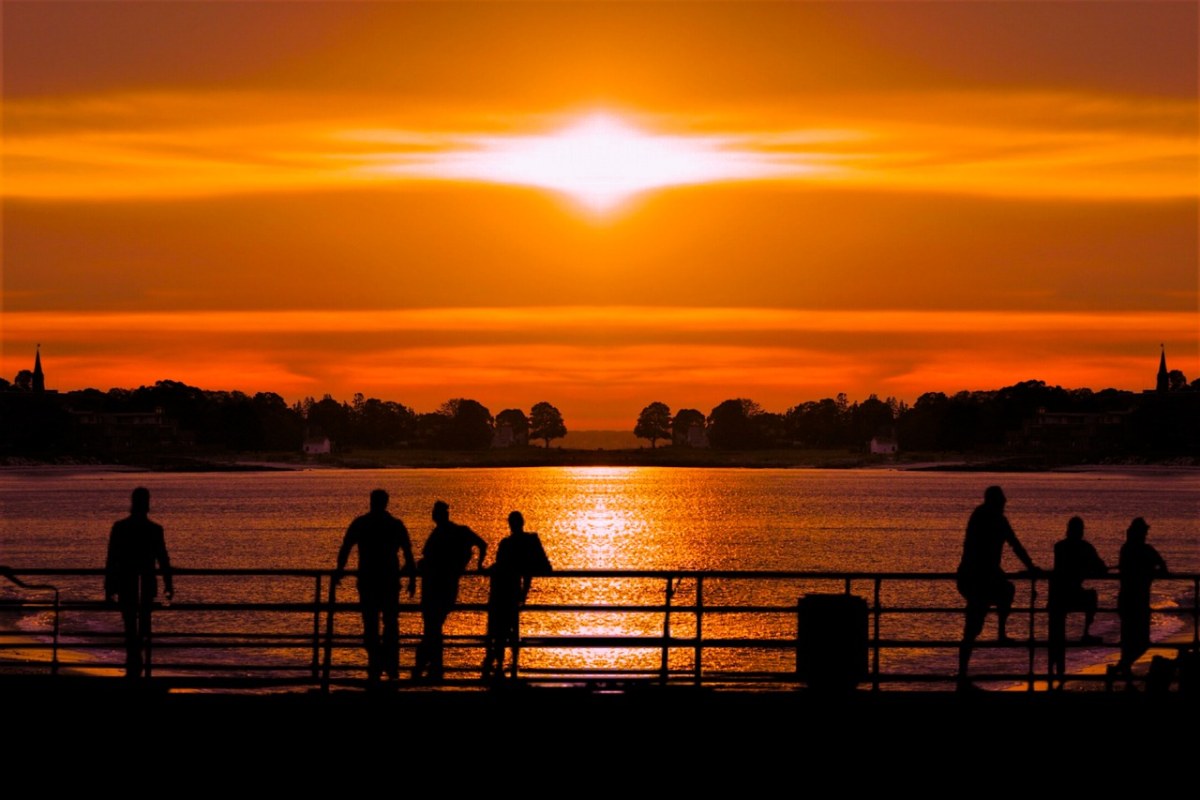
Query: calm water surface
{"points": [[601, 518]]}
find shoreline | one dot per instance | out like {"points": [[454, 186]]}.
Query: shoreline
{"points": [[595, 458]]}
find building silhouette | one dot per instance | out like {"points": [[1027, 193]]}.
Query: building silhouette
{"points": [[1163, 384], [39, 377]]}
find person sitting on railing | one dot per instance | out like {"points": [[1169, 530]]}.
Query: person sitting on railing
{"points": [[1139, 565], [135, 546], [981, 580], [519, 557], [1075, 560]]}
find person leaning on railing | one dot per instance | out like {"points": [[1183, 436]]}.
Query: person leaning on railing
{"points": [[1139, 565], [1075, 560]]}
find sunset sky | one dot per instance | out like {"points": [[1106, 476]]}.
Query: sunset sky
{"points": [[600, 205]]}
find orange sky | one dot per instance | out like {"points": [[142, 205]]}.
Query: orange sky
{"points": [[288, 197]]}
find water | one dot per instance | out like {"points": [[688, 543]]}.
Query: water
{"points": [[609, 518]]}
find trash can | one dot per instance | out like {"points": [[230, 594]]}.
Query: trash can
{"points": [[831, 641]]}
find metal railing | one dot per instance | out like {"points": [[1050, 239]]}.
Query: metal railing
{"points": [[242, 628]]}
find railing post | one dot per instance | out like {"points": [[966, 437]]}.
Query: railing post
{"points": [[1196, 612], [329, 637], [516, 647], [665, 665], [698, 654], [316, 634], [877, 612], [146, 635], [54, 649], [1032, 638]]}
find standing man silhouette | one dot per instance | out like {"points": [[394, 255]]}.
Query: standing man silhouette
{"points": [[519, 557], [981, 579], [1139, 564], [1075, 560], [379, 537], [136, 548], [444, 559]]}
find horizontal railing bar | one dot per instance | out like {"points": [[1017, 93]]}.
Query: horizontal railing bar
{"points": [[605, 573]]}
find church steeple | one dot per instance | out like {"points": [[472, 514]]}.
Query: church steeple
{"points": [[39, 378], [1163, 382]]}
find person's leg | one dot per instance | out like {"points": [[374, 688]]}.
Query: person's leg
{"points": [[144, 636], [421, 666], [493, 645], [973, 625], [429, 651], [1057, 644], [1005, 592], [133, 644], [1135, 640], [390, 646], [512, 632], [370, 623], [437, 643], [1090, 602]]}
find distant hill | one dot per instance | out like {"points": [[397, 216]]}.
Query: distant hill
{"points": [[599, 440]]}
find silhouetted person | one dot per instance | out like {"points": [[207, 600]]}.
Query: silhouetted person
{"points": [[981, 580], [1139, 564], [380, 538], [444, 559], [136, 548], [1075, 560], [519, 557]]}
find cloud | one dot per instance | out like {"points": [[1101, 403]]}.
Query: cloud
{"points": [[1012, 144]]}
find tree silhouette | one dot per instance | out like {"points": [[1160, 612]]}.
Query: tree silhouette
{"points": [[546, 423], [469, 425], [731, 425], [682, 423], [654, 423], [519, 423]]}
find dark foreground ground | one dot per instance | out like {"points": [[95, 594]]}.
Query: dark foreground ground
{"points": [[581, 741]]}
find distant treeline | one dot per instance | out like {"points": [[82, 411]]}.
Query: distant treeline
{"points": [[1027, 415], [171, 414], [174, 416]]}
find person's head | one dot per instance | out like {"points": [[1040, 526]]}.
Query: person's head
{"points": [[994, 496], [379, 500], [516, 522], [1137, 530], [1075, 528], [441, 511], [139, 501]]}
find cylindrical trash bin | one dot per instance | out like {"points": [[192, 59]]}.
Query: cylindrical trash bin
{"points": [[831, 641]]}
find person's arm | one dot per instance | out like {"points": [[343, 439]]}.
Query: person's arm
{"points": [[110, 567], [1019, 549], [1160, 566], [164, 563], [344, 552], [410, 566], [542, 561]]}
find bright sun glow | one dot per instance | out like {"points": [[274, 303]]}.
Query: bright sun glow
{"points": [[601, 161]]}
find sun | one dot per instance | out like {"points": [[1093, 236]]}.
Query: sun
{"points": [[600, 161]]}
